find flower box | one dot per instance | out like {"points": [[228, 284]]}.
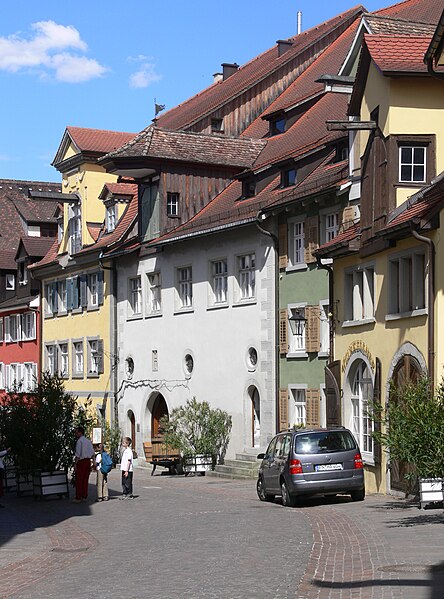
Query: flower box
{"points": [[198, 464], [50, 483], [430, 490]]}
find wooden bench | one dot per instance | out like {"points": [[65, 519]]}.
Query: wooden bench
{"points": [[158, 453]]}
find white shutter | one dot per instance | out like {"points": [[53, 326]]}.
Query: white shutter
{"points": [[7, 374], [34, 376], [7, 329], [2, 375], [1, 330]]}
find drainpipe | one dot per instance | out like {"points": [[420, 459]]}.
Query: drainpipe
{"points": [[329, 269], [431, 302], [114, 373], [260, 216]]}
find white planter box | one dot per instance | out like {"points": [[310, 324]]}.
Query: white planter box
{"points": [[50, 483], [430, 489], [199, 464]]}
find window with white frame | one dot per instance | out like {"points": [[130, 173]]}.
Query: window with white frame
{"points": [[29, 376], [135, 295], [185, 286], [247, 276], [154, 296], [15, 377], [51, 358], [63, 359], [296, 328], [324, 328], [93, 290], [407, 282], [361, 398], [61, 290], [77, 361], [111, 217], [10, 282], [172, 204], [15, 328], [329, 225], [360, 293], [22, 272], [219, 273], [28, 326], [412, 164], [296, 243], [93, 366], [297, 406], [2, 332], [51, 297], [75, 229]]}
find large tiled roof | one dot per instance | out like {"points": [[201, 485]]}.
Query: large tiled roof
{"points": [[422, 11], [49, 257], [37, 247], [7, 259], [249, 74], [157, 143], [380, 25], [395, 54], [98, 140]]}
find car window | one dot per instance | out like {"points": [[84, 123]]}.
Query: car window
{"points": [[270, 449], [286, 444], [278, 450], [324, 442]]}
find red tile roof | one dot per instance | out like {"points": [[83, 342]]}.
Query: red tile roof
{"points": [[98, 140], [7, 259], [51, 256], [382, 25], [341, 240], [118, 189], [394, 54], [94, 229], [423, 11], [37, 247], [249, 74]]}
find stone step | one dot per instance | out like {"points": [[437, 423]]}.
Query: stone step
{"points": [[249, 457], [242, 464], [216, 474], [236, 470]]}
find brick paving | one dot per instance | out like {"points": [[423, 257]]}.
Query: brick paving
{"points": [[206, 538]]}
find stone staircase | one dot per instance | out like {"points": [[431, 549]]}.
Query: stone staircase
{"points": [[245, 466]]}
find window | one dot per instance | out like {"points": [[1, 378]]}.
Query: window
{"points": [[154, 360], [93, 290], [2, 333], [63, 359], [288, 177], [297, 322], [51, 359], [28, 326], [296, 243], [22, 272], [248, 188], [75, 229], [185, 287], [61, 288], [277, 126], [407, 281], [154, 293], [77, 363], [13, 328], [95, 357], [217, 125], [10, 282], [359, 294], [297, 407], [220, 281], [29, 376], [15, 378], [136, 295], [172, 204], [111, 217], [362, 396], [247, 276], [51, 296], [412, 164], [330, 226]]}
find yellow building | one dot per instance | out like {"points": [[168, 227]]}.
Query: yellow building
{"points": [[78, 323], [388, 282]]}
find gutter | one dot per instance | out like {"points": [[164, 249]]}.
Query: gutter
{"points": [[431, 305], [261, 216]]}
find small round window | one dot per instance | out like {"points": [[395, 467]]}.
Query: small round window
{"points": [[189, 364], [129, 367], [252, 358]]}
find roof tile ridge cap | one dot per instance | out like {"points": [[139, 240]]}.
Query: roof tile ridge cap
{"points": [[359, 8], [235, 138], [71, 127], [374, 15]]}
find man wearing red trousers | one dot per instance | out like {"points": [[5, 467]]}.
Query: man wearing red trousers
{"points": [[82, 466]]}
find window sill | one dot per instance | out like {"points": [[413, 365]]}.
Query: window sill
{"points": [[245, 302], [358, 323], [77, 376], [184, 310], [77, 310], [49, 315], [92, 308], [327, 260], [92, 375], [134, 316], [413, 313], [297, 354], [218, 306], [295, 267], [323, 354], [62, 313], [153, 315]]}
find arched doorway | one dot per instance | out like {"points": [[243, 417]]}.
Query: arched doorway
{"points": [[255, 433], [358, 396], [407, 370], [159, 410], [132, 423]]}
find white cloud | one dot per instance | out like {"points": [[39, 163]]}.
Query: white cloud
{"points": [[46, 52], [145, 76]]}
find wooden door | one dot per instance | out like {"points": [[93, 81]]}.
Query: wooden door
{"points": [[160, 409]]}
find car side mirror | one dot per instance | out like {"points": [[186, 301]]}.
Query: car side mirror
{"points": [[261, 456]]}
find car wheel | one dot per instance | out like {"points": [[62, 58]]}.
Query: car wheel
{"points": [[263, 496], [287, 499], [358, 495]]}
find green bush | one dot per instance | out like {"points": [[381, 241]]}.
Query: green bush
{"points": [[196, 429]]}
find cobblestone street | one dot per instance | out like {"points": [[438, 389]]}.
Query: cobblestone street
{"points": [[209, 538]]}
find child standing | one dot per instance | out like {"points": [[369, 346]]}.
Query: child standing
{"points": [[126, 467], [102, 479]]}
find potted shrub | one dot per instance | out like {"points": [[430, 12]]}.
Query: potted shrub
{"points": [[200, 433], [412, 431]]}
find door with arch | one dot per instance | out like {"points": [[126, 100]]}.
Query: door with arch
{"points": [[255, 436], [407, 370], [132, 423], [159, 410]]}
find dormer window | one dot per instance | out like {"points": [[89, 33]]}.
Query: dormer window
{"points": [[75, 229], [288, 177], [111, 217], [248, 188], [22, 273], [277, 126], [172, 204], [412, 164], [217, 125]]}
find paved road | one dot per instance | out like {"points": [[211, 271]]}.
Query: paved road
{"points": [[205, 538]]}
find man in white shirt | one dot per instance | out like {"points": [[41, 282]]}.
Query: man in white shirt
{"points": [[82, 465], [126, 467]]}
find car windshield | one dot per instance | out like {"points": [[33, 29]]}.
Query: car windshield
{"points": [[324, 442]]}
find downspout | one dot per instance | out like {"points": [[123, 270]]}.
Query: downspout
{"points": [[331, 332], [275, 242], [114, 373], [431, 302]]}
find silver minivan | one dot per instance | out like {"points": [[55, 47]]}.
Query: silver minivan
{"points": [[311, 461]]}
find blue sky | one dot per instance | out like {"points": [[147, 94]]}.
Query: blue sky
{"points": [[101, 64]]}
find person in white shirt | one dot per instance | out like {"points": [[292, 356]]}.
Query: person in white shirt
{"points": [[126, 467], [82, 465]]}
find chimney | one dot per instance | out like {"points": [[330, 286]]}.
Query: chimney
{"points": [[218, 77], [299, 27], [229, 69], [283, 46]]}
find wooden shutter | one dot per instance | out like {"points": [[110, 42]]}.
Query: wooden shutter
{"points": [[283, 331], [75, 292], [348, 217], [312, 407], [283, 245], [54, 297], [83, 285], [311, 226], [100, 287], [377, 452], [312, 329], [100, 355], [283, 409]]}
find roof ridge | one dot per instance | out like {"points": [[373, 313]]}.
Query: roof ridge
{"points": [[70, 127]]}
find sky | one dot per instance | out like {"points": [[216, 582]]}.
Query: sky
{"points": [[104, 64]]}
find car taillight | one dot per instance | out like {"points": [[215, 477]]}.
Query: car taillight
{"points": [[358, 461], [295, 467]]}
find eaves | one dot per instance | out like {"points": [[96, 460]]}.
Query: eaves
{"points": [[77, 160]]}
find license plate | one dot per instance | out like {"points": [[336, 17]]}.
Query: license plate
{"points": [[324, 467]]}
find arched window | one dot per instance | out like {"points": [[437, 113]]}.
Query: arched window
{"points": [[362, 395]]}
